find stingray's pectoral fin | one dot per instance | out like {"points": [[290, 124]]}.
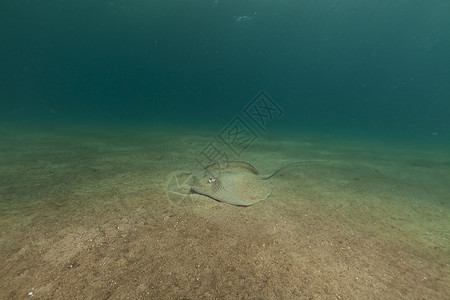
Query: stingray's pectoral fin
{"points": [[229, 200]]}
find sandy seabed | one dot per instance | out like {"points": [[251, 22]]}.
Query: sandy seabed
{"points": [[85, 214]]}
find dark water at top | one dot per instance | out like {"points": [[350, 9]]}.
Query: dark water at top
{"points": [[372, 67]]}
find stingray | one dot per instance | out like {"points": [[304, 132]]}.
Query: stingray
{"points": [[234, 182]]}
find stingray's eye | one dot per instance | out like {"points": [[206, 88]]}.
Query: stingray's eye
{"points": [[211, 180]]}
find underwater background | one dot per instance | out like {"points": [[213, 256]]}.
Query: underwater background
{"points": [[110, 110], [360, 67]]}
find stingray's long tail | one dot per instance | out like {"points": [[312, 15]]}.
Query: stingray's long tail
{"points": [[307, 162]]}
